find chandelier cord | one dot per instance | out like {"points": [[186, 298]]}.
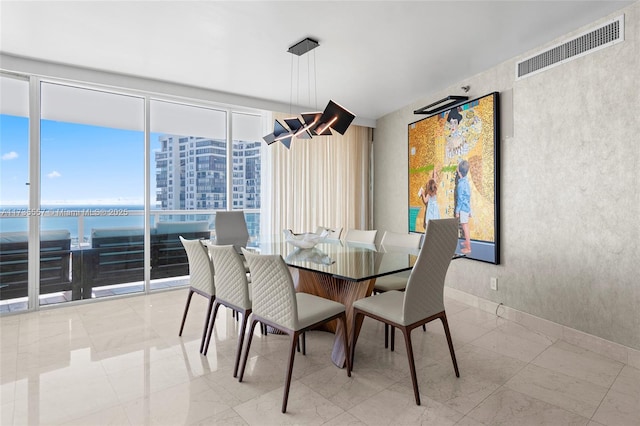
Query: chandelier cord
{"points": [[334, 117], [315, 79], [291, 89]]}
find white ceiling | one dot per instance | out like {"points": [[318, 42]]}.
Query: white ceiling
{"points": [[374, 56]]}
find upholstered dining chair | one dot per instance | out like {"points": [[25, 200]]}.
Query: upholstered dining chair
{"points": [[231, 229], [392, 241], [423, 299], [276, 303], [232, 291], [334, 233], [200, 280], [360, 236]]}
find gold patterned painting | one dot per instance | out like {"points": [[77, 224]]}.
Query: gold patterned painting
{"points": [[452, 173]]}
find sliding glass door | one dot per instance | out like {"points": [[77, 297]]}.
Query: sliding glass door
{"points": [[14, 193], [92, 193]]}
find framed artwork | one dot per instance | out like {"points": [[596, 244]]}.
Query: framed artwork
{"points": [[453, 172]]}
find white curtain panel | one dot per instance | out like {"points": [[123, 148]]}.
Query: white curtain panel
{"points": [[322, 181]]}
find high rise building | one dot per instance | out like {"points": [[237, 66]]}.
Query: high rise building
{"points": [[191, 174]]}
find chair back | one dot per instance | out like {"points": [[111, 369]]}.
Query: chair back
{"points": [[200, 266], [274, 296], [231, 229], [334, 233], [361, 236], [395, 239], [424, 295], [231, 278]]}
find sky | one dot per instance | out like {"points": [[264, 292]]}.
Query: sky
{"points": [[80, 164]]}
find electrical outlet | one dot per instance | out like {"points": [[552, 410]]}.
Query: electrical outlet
{"points": [[494, 283]]}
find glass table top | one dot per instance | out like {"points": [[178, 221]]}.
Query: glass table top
{"points": [[354, 262]]}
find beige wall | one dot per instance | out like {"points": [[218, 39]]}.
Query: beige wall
{"points": [[570, 196]]}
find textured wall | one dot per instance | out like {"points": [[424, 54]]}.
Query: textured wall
{"points": [[570, 196]]}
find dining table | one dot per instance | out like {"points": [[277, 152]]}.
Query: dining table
{"points": [[339, 271]]}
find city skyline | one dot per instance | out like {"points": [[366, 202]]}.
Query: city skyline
{"points": [[103, 176]]}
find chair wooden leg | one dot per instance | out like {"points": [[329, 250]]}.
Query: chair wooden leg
{"points": [[393, 338], [206, 322], [424, 328], [246, 351], [386, 336], [343, 319], [243, 327], [445, 324], [412, 363], [287, 382], [212, 321], [302, 344], [186, 308]]}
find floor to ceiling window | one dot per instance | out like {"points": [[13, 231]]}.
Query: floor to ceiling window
{"points": [[188, 174], [14, 192], [92, 187], [121, 176], [247, 149]]}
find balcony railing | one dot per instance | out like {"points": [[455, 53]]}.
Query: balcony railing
{"points": [[102, 247]]}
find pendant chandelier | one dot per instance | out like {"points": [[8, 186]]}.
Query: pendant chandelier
{"points": [[309, 124]]}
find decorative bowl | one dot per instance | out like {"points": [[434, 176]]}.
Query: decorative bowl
{"points": [[307, 240]]}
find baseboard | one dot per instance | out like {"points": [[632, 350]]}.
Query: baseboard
{"points": [[615, 351]]}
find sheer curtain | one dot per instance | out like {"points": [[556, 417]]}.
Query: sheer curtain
{"points": [[324, 181]]}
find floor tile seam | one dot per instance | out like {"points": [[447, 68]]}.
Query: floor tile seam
{"points": [[394, 381], [529, 329], [505, 388], [487, 331], [518, 372], [565, 329], [239, 414], [564, 392], [423, 397], [72, 418], [604, 397], [363, 402], [500, 353], [468, 413], [598, 354], [480, 378], [336, 416], [480, 324], [622, 365]]}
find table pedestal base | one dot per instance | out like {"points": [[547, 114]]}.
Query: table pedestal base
{"points": [[340, 290]]}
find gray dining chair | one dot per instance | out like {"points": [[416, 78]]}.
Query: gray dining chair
{"points": [[423, 299], [394, 241], [200, 280], [231, 229], [276, 303], [232, 291], [361, 236]]}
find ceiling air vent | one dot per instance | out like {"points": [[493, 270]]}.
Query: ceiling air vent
{"points": [[606, 35]]}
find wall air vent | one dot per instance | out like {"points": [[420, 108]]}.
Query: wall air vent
{"points": [[605, 35]]}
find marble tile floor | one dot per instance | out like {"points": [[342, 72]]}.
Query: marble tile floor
{"points": [[121, 362]]}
